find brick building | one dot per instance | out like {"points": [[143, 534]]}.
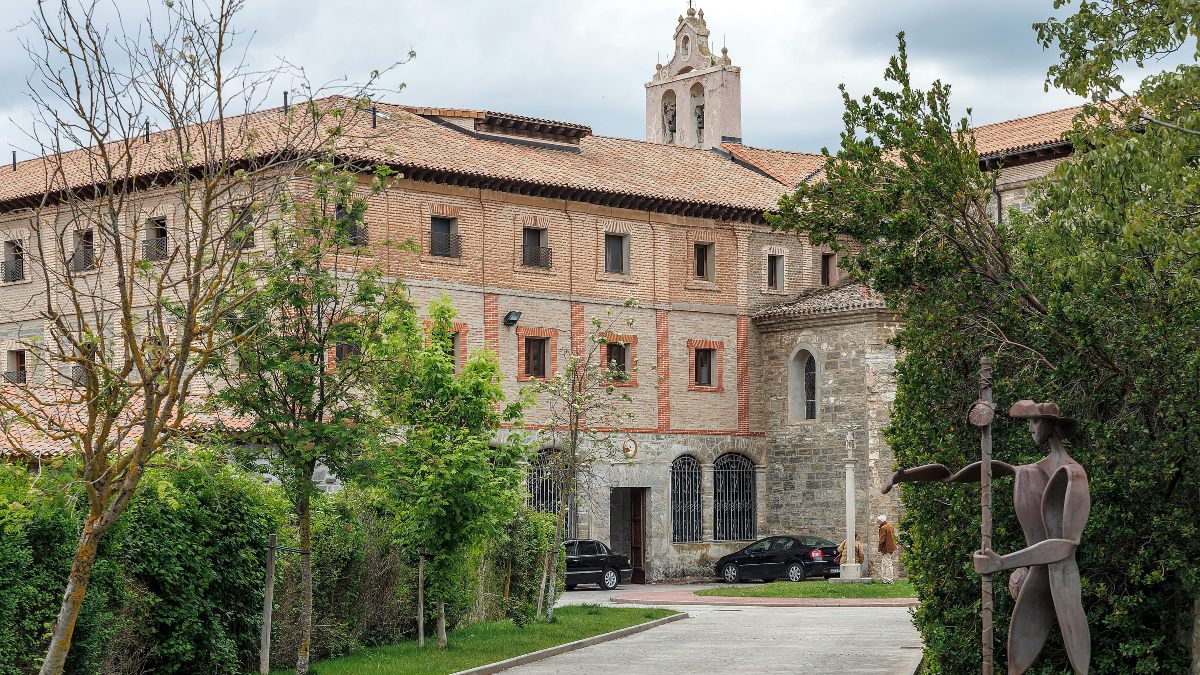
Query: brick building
{"points": [[767, 371]]}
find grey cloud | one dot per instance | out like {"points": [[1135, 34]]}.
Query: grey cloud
{"points": [[587, 61]]}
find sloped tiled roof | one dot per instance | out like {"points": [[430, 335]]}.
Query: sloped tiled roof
{"points": [[789, 168], [19, 440], [602, 164], [825, 300], [1024, 133]]}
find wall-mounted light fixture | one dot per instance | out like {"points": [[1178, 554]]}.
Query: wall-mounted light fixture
{"points": [[512, 318]]}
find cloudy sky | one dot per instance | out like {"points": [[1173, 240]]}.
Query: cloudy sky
{"points": [[586, 61]]}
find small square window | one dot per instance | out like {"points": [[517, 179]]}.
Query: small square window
{"points": [[241, 227], [345, 350], [14, 262], [616, 253], [535, 249], [155, 246], [704, 260], [617, 358], [83, 257], [775, 272], [829, 269], [536, 352], [455, 348], [14, 370], [704, 367], [444, 240]]}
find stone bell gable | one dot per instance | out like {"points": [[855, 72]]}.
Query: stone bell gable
{"points": [[695, 100]]}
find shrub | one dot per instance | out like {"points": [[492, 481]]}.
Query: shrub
{"points": [[363, 586]]}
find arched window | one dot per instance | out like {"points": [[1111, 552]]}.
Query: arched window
{"points": [[734, 514], [685, 500], [669, 119], [802, 387], [545, 485], [696, 111]]}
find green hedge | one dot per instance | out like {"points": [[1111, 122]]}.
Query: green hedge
{"points": [[178, 583]]}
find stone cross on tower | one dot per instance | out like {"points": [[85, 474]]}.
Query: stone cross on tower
{"points": [[695, 100]]}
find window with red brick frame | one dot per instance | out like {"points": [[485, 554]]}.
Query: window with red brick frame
{"points": [[623, 349], [537, 353], [706, 365]]}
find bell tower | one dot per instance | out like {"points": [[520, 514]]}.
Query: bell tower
{"points": [[695, 100]]}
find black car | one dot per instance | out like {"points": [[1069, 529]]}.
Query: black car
{"points": [[794, 558], [591, 562]]}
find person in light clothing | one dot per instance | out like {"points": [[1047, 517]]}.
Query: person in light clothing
{"points": [[887, 550]]}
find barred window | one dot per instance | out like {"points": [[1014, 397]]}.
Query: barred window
{"points": [[685, 500], [544, 487], [734, 514]]}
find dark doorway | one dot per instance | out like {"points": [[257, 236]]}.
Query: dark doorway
{"points": [[627, 521]]}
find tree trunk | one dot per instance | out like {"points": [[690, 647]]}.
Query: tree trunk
{"points": [[441, 625], [1196, 636], [421, 600], [68, 613], [304, 513]]}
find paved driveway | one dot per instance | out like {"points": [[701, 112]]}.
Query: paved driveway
{"points": [[715, 639]]}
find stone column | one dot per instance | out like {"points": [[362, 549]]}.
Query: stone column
{"points": [[760, 501], [850, 570], [707, 488]]}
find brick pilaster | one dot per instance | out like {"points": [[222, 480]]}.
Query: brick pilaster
{"points": [[491, 323], [662, 320], [743, 373], [578, 336]]}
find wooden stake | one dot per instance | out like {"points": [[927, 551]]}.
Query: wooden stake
{"points": [[421, 600], [264, 649]]}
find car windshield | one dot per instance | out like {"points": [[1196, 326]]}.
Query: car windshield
{"points": [[817, 541]]}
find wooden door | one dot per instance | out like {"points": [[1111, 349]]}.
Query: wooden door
{"points": [[637, 534]]}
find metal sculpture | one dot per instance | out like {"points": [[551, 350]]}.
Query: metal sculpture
{"points": [[1052, 503]]}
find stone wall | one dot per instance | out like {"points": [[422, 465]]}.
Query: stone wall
{"points": [[856, 387]]}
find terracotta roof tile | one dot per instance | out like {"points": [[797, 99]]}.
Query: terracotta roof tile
{"points": [[824, 300], [599, 163], [1025, 132], [789, 168], [21, 440]]}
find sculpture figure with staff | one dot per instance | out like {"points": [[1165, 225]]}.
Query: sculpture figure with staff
{"points": [[1052, 503]]}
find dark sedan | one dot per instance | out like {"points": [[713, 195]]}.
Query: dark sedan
{"points": [[794, 558], [591, 562]]}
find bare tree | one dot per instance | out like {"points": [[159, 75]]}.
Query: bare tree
{"points": [[141, 241], [586, 409]]}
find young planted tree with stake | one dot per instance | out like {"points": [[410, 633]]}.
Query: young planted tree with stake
{"points": [[585, 411], [454, 482], [302, 356], [136, 244]]}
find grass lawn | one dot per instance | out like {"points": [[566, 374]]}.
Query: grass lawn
{"points": [[814, 589], [485, 643]]}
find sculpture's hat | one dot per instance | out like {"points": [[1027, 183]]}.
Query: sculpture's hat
{"points": [[1065, 426]]}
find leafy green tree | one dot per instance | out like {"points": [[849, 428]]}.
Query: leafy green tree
{"points": [[453, 481], [1089, 301], [306, 407]]}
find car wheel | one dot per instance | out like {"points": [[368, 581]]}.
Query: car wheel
{"points": [[570, 587], [795, 572], [610, 579], [730, 573]]}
